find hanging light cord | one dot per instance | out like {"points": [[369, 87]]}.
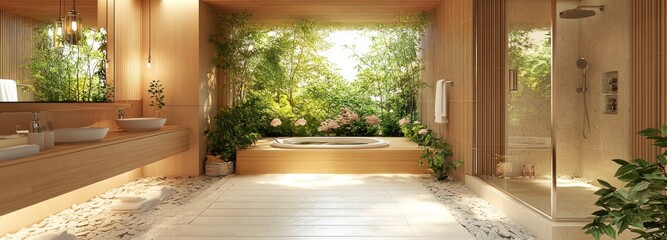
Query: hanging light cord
{"points": [[149, 30]]}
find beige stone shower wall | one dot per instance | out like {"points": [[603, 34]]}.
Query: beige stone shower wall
{"points": [[605, 43], [568, 103]]}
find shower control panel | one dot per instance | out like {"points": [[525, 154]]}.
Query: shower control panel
{"points": [[611, 106], [610, 92]]}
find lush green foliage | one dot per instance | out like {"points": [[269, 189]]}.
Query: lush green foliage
{"points": [[530, 54], [641, 205], [156, 92], [236, 55], [284, 67], [391, 71], [236, 128], [75, 73], [436, 151]]}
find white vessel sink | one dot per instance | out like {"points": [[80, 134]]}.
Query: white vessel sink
{"points": [[64, 135], [18, 151], [140, 124]]}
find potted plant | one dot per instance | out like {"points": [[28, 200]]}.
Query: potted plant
{"points": [[435, 151], [234, 129], [157, 97], [641, 205]]}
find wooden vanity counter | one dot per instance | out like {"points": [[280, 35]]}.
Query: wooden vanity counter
{"points": [[69, 166]]}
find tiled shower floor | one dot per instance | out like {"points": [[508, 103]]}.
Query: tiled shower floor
{"points": [[307, 206], [575, 199]]}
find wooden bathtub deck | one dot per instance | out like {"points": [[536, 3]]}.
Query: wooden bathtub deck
{"points": [[401, 156]]}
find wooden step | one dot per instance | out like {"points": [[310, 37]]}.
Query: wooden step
{"points": [[401, 156]]}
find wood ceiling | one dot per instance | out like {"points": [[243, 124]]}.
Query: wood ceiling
{"points": [[325, 11], [47, 10]]}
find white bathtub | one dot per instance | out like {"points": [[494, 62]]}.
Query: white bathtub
{"points": [[529, 142], [328, 142]]}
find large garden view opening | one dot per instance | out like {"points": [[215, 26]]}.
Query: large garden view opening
{"points": [[305, 79]]}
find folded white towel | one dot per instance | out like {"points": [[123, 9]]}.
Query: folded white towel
{"points": [[133, 207], [129, 198], [160, 192], [55, 235]]}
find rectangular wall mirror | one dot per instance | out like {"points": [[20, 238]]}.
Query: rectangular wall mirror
{"points": [[55, 51]]}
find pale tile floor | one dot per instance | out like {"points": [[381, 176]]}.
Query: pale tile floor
{"points": [[317, 206]]}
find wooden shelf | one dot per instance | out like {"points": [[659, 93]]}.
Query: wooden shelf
{"points": [[57, 106], [67, 167]]}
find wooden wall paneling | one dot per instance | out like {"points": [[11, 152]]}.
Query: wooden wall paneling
{"points": [[649, 73], [448, 53], [125, 47], [15, 46], [181, 55], [346, 12], [490, 57]]}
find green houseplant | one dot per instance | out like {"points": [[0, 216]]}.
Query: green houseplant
{"points": [[156, 90], [640, 205], [436, 152], [235, 128]]}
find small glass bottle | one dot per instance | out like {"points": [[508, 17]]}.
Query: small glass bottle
{"points": [[523, 171]]}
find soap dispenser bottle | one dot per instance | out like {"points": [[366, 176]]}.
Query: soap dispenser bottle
{"points": [[36, 136]]}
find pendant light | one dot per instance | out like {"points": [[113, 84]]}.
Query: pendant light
{"points": [[59, 26], [148, 61], [73, 26]]}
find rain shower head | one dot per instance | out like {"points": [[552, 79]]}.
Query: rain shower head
{"points": [[582, 64], [579, 12]]}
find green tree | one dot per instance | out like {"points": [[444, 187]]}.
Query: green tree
{"points": [[532, 58], [74, 73], [391, 71], [236, 53]]}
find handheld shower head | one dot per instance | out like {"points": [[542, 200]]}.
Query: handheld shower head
{"points": [[582, 64]]}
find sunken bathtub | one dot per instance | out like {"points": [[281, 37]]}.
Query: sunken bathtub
{"points": [[331, 155], [329, 142]]}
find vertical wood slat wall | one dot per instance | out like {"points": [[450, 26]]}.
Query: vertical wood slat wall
{"points": [[15, 46], [490, 90], [448, 54], [648, 104]]}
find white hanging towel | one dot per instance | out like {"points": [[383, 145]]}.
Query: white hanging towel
{"points": [[8, 91], [441, 101]]}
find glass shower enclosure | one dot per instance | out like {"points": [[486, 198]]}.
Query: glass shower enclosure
{"points": [[565, 108]]}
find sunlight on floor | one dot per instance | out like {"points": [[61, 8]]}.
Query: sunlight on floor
{"points": [[310, 181], [319, 205]]}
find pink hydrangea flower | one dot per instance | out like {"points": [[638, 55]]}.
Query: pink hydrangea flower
{"points": [[373, 120], [300, 122], [423, 131], [276, 122], [403, 121], [328, 125]]}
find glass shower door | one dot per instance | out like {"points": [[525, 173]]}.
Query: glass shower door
{"points": [[528, 148]]}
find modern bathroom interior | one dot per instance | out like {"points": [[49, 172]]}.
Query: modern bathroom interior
{"points": [[543, 94], [580, 110]]}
